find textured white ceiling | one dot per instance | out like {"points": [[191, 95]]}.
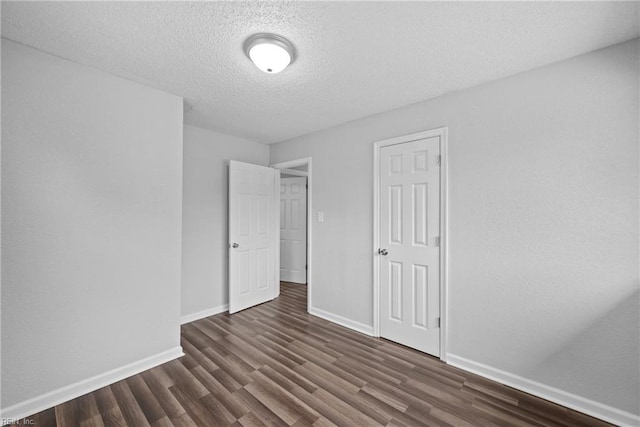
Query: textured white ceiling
{"points": [[354, 58]]}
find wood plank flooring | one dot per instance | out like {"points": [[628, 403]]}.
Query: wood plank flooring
{"points": [[276, 365]]}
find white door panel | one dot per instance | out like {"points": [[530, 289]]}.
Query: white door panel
{"points": [[252, 235], [293, 230], [409, 234]]}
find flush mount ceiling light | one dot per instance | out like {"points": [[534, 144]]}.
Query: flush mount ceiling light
{"points": [[271, 53]]}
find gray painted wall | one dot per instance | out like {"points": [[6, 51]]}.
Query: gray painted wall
{"points": [[205, 211], [543, 221], [91, 222]]}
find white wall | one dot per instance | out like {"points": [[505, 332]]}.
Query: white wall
{"points": [[543, 221], [205, 211], [91, 227]]}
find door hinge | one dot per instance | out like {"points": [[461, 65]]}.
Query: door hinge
{"points": [[437, 241], [439, 160], [438, 322], [306, 186], [305, 266]]}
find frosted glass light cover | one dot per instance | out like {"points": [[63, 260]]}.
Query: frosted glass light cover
{"points": [[270, 58]]}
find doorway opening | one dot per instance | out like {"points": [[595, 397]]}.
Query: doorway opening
{"points": [[294, 252], [293, 227]]}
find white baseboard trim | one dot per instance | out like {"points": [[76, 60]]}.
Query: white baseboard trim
{"points": [[552, 394], [342, 321], [204, 313], [64, 394]]}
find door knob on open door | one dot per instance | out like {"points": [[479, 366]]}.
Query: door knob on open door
{"points": [[235, 245], [383, 252]]}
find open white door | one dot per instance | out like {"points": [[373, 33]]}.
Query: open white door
{"points": [[293, 230], [252, 235]]}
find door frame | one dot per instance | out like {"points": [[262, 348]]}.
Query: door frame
{"points": [[377, 146], [305, 161]]}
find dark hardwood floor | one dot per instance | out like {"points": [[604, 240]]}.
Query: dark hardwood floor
{"points": [[276, 365]]}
